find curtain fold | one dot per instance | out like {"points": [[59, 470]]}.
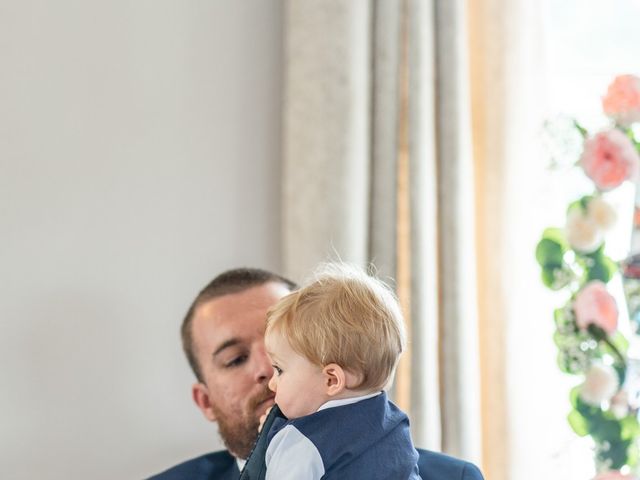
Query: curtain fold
{"points": [[385, 94], [505, 62], [376, 87], [492, 96], [425, 386], [385, 132], [369, 84], [456, 235], [326, 116]]}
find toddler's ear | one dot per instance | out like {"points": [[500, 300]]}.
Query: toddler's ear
{"points": [[334, 379]]}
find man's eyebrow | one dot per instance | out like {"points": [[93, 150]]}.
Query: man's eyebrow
{"points": [[229, 343]]}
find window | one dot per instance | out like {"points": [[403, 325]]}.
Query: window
{"points": [[586, 44]]}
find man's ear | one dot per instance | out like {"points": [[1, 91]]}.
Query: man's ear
{"points": [[200, 395], [335, 380]]}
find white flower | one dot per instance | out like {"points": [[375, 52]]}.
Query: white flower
{"points": [[601, 213], [600, 384], [582, 233]]}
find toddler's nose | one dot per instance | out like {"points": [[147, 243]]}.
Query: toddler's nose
{"points": [[272, 383]]}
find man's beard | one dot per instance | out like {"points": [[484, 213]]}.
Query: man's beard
{"points": [[239, 434]]}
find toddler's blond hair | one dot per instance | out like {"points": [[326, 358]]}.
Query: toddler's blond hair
{"points": [[347, 317]]}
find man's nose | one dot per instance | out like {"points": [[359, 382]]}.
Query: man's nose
{"points": [[263, 368]]}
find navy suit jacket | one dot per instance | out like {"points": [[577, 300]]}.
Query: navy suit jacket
{"points": [[222, 466]]}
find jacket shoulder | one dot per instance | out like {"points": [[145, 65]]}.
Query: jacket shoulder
{"points": [[217, 465], [438, 466]]}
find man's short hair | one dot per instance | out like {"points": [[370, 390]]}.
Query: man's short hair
{"points": [[228, 282], [347, 317]]}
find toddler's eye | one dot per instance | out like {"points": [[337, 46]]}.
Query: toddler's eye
{"points": [[277, 369]]}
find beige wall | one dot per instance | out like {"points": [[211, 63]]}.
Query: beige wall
{"points": [[139, 156]]}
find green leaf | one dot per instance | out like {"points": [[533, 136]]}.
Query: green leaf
{"points": [[570, 362], [632, 454], [583, 131], [559, 317], [557, 235], [603, 268], [574, 396], [581, 203], [584, 201], [555, 277], [576, 205], [603, 429], [562, 340], [628, 131], [615, 455], [598, 272], [630, 427], [597, 254], [589, 412], [548, 277], [578, 423], [621, 371], [620, 342], [565, 321], [549, 253], [597, 332], [610, 264]]}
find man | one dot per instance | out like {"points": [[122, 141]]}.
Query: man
{"points": [[223, 339]]}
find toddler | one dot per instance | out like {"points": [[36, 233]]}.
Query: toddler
{"points": [[335, 345]]}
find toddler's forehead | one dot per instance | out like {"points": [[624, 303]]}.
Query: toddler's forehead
{"points": [[275, 341]]}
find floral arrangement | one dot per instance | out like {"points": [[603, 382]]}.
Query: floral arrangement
{"points": [[604, 405]]}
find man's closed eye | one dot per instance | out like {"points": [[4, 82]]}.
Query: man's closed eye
{"points": [[237, 361]]}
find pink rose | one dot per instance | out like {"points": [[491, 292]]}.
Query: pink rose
{"points": [[609, 158], [622, 101], [594, 305], [614, 475]]}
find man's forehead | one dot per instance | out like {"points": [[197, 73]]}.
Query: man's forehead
{"points": [[260, 297], [236, 314]]}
